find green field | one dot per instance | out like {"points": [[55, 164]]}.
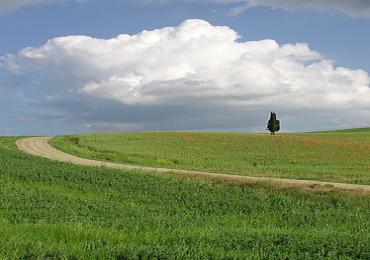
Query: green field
{"points": [[337, 156], [55, 210]]}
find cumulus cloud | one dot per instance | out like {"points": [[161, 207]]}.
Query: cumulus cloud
{"points": [[193, 76]]}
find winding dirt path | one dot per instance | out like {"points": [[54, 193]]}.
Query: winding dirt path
{"points": [[39, 146]]}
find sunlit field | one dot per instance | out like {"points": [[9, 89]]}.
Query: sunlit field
{"points": [[52, 210], [337, 156]]}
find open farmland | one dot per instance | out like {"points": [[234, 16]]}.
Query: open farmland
{"points": [[56, 210], [337, 156]]}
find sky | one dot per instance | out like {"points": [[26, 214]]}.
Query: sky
{"points": [[76, 66]]}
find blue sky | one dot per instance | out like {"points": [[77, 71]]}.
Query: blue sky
{"points": [[339, 36]]}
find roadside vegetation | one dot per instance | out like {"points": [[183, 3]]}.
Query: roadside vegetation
{"points": [[336, 156], [57, 210]]}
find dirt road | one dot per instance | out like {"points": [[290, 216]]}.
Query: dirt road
{"points": [[39, 146]]}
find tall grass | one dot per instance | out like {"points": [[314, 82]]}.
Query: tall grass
{"points": [[56, 210]]}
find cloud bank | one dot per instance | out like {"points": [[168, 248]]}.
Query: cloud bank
{"points": [[193, 76]]}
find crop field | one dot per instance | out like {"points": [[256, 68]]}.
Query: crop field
{"points": [[57, 210], [337, 156]]}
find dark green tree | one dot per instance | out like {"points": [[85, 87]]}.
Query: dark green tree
{"points": [[273, 124]]}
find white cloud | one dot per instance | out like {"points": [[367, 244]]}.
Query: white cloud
{"points": [[193, 76]]}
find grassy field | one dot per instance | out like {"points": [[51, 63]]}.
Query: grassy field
{"points": [[338, 156], [56, 210]]}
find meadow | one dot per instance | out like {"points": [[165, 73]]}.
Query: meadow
{"points": [[336, 156], [54, 210]]}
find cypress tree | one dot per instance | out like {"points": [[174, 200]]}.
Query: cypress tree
{"points": [[273, 124]]}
